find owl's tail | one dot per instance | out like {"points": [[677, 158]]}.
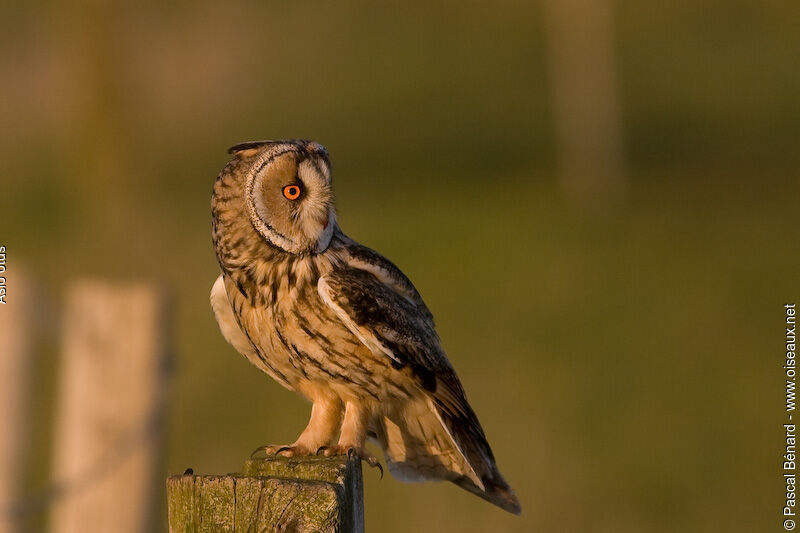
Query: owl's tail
{"points": [[423, 442]]}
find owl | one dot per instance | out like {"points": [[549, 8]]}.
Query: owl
{"points": [[339, 324]]}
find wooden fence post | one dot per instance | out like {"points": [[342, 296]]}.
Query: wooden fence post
{"points": [[16, 321], [302, 494], [109, 405]]}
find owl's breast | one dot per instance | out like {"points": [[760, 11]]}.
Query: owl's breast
{"points": [[298, 339]]}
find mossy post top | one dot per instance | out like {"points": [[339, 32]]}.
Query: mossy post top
{"points": [[273, 493]]}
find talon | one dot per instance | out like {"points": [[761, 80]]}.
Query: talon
{"points": [[275, 449], [258, 450], [322, 449], [287, 449], [374, 463]]}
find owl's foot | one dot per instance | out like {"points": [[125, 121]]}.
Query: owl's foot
{"points": [[351, 451], [292, 450]]}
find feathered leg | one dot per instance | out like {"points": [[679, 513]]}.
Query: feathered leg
{"points": [[354, 435], [326, 416]]}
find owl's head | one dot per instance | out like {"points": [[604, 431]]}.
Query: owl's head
{"points": [[288, 193]]}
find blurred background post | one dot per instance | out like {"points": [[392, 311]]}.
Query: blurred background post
{"points": [[583, 89], [16, 354], [110, 403]]}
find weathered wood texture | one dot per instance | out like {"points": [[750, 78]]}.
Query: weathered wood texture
{"points": [[16, 352], [111, 395], [304, 494]]}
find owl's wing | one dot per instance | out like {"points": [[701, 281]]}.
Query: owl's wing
{"points": [[388, 322], [364, 258], [382, 308]]}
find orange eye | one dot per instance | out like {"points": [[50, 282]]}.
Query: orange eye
{"points": [[291, 192]]}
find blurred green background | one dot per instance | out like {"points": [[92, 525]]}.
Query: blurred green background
{"points": [[625, 362]]}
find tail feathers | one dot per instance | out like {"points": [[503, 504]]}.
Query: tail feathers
{"points": [[467, 434], [422, 444], [495, 491]]}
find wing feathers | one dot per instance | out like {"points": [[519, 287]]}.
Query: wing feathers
{"points": [[383, 309], [363, 334]]}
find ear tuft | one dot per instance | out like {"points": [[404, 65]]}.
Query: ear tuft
{"points": [[249, 145]]}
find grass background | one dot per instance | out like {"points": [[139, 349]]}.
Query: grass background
{"points": [[626, 366]]}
